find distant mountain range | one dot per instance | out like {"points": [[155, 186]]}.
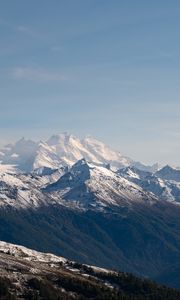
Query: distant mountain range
{"points": [[64, 149], [82, 200]]}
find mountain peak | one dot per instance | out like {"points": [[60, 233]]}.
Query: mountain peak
{"points": [[23, 141], [169, 173], [81, 168], [64, 149], [168, 167], [91, 139], [59, 138], [81, 162]]}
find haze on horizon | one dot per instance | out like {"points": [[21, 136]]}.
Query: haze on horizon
{"points": [[105, 68]]}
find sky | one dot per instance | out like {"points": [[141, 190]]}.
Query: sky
{"points": [[110, 69]]}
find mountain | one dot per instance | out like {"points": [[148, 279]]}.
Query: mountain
{"points": [[93, 215], [84, 185], [138, 165], [28, 274], [103, 154], [45, 157], [169, 173], [66, 149], [24, 190], [67, 196], [164, 189], [63, 150], [87, 185], [21, 154]]}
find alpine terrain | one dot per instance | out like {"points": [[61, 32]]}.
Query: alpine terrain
{"points": [[79, 199]]}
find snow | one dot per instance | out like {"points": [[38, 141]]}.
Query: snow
{"points": [[21, 252], [12, 180], [87, 185], [24, 191], [7, 168], [28, 254], [35, 262], [103, 153], [46, 157], [165, 190], [14, 155], [97, 269], [133, 174], [84, 186]]}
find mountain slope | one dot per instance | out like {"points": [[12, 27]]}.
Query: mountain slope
{"points": [[27, 274], [24, 190], [169, 173], [87, 211], [144, 240], [88, 185], [165, 190], [91, 214], [69, 149]]}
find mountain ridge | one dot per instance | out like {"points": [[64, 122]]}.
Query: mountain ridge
{"points": [[63, 149]]}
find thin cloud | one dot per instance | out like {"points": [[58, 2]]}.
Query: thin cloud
{"points": [[36, 74], [25, 30], [22, 29], [56, 48]]}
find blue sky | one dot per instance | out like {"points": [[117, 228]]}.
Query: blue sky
{"points": [[110, 69]]}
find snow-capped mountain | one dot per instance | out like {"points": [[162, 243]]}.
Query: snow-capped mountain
{"points": [[157, 183], [114, 218], [89, 185], [21, 154], [84, 185], [169, 173], [79, 194], [64, 150], [91, 214], [24, 190], [20, 192]]}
